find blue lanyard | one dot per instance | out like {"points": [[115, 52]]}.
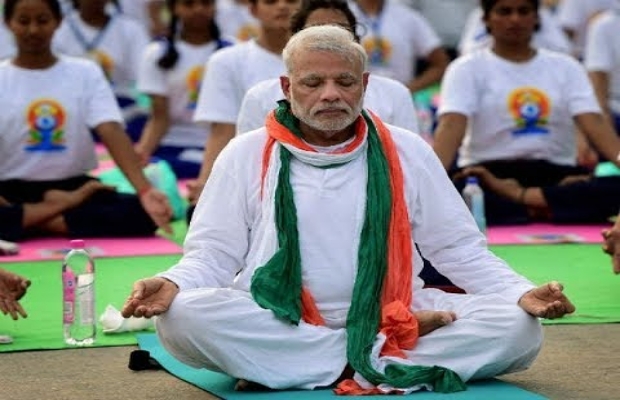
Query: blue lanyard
{"points": [[79, 35]]}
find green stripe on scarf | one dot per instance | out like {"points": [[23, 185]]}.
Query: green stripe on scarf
{"points": [[277, 285]]}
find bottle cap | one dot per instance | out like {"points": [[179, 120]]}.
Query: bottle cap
{"points": [[77, 244], [472, 179]]}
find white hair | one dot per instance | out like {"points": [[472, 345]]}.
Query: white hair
{"points": [[329, 38]]}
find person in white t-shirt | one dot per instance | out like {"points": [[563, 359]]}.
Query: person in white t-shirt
{"points": [[230, 73], [396, 37], [388, 98], [116, 43], [446, 18], [235, 20], [171, 73], [511, 109], [47, 150], [574, 16], [149, 13], [602, 60], [549, 35]]}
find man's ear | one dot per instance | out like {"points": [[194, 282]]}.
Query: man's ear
{"points": [[285, 84]]}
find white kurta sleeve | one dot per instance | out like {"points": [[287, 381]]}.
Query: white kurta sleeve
{"points": [[449, 238], [218, 237]]}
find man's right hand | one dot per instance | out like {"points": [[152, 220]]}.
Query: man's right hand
{"points": [[150, 297]]}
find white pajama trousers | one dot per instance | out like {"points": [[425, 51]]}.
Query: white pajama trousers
{"points": [[225, 330]]}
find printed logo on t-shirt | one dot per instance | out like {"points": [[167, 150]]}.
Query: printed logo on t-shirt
{"points": [[247, 32], [379, 50], [46, 122], [105, 62], [192, 81], [530, 108]]}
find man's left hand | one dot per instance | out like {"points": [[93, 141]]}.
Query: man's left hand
{"points": [[547, 301]]}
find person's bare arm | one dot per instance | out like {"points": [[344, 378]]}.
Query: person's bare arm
{"points": [[221, 134], [438, 61], [600, 134], [155, 129], [449, 136], [600, 82], [119, 145], [611, 244]]}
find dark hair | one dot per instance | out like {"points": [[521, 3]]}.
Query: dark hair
{"points": [[487, 6], [169, 59], [298, 20], [76, 4], [9, 8]]}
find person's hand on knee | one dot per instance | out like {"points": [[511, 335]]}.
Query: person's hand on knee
{"points": [[12, 288]]}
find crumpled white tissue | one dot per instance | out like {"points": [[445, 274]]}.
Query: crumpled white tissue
{"points": [[113, 322]]}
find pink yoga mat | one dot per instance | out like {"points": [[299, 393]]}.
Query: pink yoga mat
{"points": [[545, 234], [56, 248]]}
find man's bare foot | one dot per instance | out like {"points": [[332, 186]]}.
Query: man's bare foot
{"points": [[243, 385], [508, 188], [73, 198], [428, 321], [4, 202]]}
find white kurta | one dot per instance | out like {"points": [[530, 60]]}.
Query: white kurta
{"points": [[388, 98], [223, 328]]}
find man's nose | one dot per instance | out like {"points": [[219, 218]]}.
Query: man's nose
{"points": [[330, 92]]}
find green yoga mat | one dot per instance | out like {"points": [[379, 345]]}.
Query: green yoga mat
{"points": [[583, 269], [42, 330], [223, 385]]}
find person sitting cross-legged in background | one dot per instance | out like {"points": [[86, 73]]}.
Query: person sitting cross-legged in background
{"points": [[299, 268]]}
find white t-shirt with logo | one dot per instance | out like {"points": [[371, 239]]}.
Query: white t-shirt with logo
{"points": [[603, 52], [229, 74], [46, 119], [387, 98], [117, 50], [181, 85], [517, 110], [395, 39]]}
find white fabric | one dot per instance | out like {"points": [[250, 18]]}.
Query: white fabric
{"points": [[139, 11], [75, 96], [181, 85], [118, 53], [405, 36], [550, 36], [445, 16], [230, 73], [235, 20], [575, 15], [603, 53], [517, 110], [388, 98], [223, 329]]}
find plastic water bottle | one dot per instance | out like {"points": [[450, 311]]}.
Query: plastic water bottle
{"points": [[78, 283], [474, 198]]}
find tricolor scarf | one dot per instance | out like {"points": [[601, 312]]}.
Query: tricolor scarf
{"points": [[381, 300]]}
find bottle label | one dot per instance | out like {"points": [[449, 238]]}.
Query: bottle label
{"points": [[85, 296], [68, 298]]}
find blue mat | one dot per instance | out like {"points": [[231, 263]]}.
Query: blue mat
{"points": [[223, 385]]}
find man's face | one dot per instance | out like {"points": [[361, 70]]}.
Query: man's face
{"points": [[326, 93]]}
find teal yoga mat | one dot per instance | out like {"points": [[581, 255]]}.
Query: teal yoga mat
{"points": [[223, 385]]}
